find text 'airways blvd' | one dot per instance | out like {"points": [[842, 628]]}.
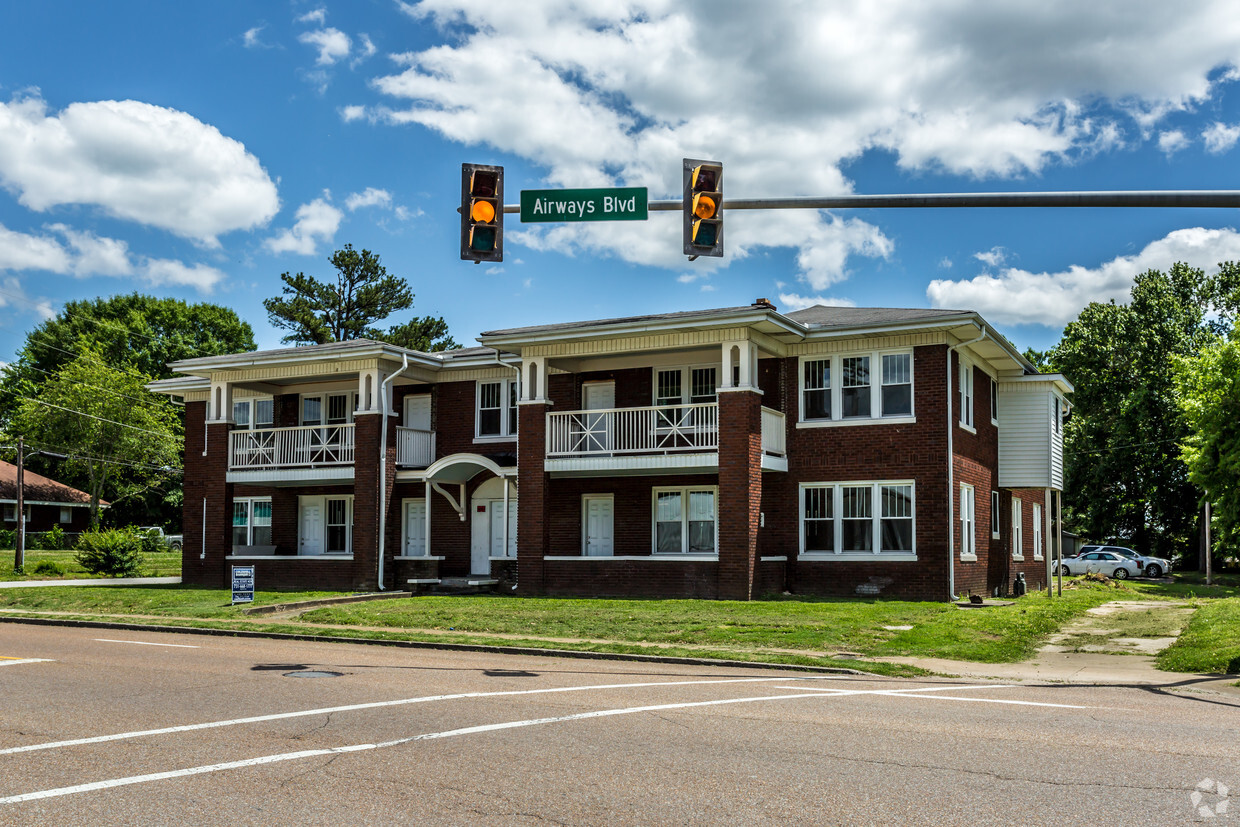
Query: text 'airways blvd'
{"points": [[620, 204]]}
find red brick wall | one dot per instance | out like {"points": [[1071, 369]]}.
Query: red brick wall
{"points": [[453, 411], [534, 509], [659, 578], [976, 463], [740, 492]]}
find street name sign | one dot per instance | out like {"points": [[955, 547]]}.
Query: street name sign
{"points": [[617, 204]]}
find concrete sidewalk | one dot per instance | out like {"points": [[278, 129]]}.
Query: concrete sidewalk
{"points": [[100, 581]]}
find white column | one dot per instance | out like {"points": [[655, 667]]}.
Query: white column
{"points": [[533, 379], [220, 403]]}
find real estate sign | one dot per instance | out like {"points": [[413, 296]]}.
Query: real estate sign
{"points": [[617, 204], [242, 584]]}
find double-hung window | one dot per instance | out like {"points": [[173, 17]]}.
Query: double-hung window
{"points": [[1018, 538], [966, 393], [994, 402], [497, 408], [684, 386], [857, 518], [968, 530], [339, 525], [995, 528], [856, 387], [685, 521], [1037, 531], [253, 413], [251, 523]]}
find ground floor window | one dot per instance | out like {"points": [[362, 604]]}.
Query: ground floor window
{"points": [[685, 521], [66, 514], [251, 523], [1018, 549], [1037, 531], [339, 525], [968, 532], [857, 518], [325, 525]]}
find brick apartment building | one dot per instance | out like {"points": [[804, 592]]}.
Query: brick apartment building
{"points": [[725, 453]]}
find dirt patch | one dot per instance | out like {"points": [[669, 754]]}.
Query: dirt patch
{"points": [[1123, 627]]}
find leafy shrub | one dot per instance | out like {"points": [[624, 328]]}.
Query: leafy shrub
{"points": [[48, 567], [8, 538], [52, 540], [115, 552], [150, 541]]}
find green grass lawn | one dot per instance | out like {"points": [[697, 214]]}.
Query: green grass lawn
{"points": [[789, 630], [160, 564]]}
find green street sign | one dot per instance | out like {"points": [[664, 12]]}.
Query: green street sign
{"points": [[621, 204]]}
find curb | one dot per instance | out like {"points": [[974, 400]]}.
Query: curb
{"points": [[432, 645]]}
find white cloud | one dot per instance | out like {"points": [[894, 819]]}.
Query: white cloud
{"points": [[352, 113], [994, 257], [161, 271], [333, 45], [789, 302], [316, 221], [1220, 137], [366, 48], [1020, 297], [787, 93], [371, 197], [317, 16], [1172, 141], [135, 161], [252, 40]]}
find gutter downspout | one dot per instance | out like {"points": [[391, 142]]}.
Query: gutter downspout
{"points": [[516, 440], [383, 506], [951, 472]]}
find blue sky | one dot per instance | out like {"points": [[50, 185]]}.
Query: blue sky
{"points": [[201, 150]]}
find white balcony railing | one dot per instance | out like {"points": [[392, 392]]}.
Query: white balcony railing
{"points": [[304, 446], [651, 430], [415, 447], [773, 434]]}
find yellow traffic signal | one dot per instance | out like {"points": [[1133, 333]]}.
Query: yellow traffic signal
{"points": [[703, 208], [482, 213]]}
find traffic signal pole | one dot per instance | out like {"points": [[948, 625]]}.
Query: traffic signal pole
{"points": [[1119, 198]]}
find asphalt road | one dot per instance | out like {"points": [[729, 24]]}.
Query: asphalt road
{"points": [[111, 727]]}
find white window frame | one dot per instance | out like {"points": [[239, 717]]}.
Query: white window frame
{"points": [[66, 515], [508, 393], [684, 492], [249, 521], [837, 520], [251, 414], [876, 416], [350, 406], [1037, 531], [686, 383], [996, 523], [10, 512], [348, 532], [1018, 534], [966, 395], [968, 522], [994, 402]]}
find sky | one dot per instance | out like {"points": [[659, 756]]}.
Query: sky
{"points": [[200, 150]]}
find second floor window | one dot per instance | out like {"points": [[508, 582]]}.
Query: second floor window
{"points": [[856, 387], [966, 394], [253, 413], [497, 408]]}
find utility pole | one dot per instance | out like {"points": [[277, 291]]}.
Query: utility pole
{"points": [[19, 557]]}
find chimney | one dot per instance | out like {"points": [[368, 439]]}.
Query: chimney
{"points": [[764, 303]]}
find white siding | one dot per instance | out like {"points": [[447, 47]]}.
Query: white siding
{"points": [[1025, 445], [1057, 445]]}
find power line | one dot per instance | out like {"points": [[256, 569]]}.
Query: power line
{"points": [[1122, 447], [92, 416], [71, 454], [152, 401]]}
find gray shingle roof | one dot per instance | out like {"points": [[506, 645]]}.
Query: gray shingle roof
{"points": [[623, 320], [820, 316]]}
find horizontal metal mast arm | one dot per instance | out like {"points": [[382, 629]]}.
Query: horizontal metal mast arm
{"points": [[1131, 198]]}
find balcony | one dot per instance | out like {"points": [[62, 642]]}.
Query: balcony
{"points": [[308, 453], [415, 448], [664, 438]]}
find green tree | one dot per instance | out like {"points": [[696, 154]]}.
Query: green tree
{"points": [[364, 292], [121, 440], [1209, 397], [1124, 477]]}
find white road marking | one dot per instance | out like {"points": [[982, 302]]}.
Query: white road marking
{"points": [[145, 643], [830, 691], [275, 716], [15, 661], [293, 756]]}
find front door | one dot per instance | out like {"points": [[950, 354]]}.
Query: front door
{"points": [[599, 526], [311, 527], [415, 528], [598, 396], [497, 528]]}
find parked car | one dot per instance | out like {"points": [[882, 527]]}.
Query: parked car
{"points": [[172, 541], [1150, 566], [1101, 562]]}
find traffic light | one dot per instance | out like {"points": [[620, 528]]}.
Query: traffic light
{"points": [[482, 213], [703, 208]]}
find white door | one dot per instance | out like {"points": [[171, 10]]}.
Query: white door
{"points": [[418, 412], [496, 508], [311, 527], [598, 396], [415, 528], [599, 526]]}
